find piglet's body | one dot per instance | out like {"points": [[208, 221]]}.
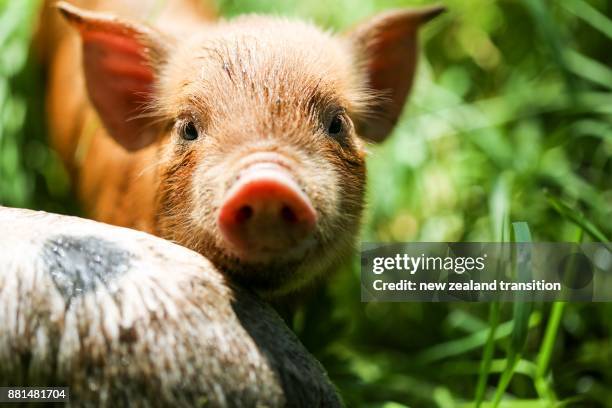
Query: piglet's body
{"points": [[123, 318], [242, 140]]}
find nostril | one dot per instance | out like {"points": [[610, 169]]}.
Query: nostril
{"points": [[244, 214], [288, 214]]}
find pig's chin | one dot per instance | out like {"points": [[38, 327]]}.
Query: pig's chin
{"points": [[268, 271], [266, 254]]}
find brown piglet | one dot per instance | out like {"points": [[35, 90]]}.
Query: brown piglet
{"points": [[243, 140]]}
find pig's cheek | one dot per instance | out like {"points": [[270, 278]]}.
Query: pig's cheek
{"points": [[207, 193], [324, 180], [199, 195], [349, 188], [321, 188]]}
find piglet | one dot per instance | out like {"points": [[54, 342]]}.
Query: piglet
{"points": [[243, 140], [124, 318]]}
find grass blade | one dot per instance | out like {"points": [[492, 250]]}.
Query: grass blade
{"points": [[546, 349], [589, 15], [472, 342], [499, 205], [521, 312], [487, 355], [579, 219], [542, 383], [551, 37], [522, 308], [589, 68]]}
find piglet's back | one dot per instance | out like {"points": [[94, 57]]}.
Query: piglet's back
{"points": [[122, 317]]}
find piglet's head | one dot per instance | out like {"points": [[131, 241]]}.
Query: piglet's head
{"points": [[260, 124]]}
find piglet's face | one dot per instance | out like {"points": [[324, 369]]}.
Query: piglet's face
{"points": [[275, 179], [261, 125]]}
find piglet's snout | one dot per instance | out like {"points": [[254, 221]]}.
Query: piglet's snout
{"points": [[266, 211]]}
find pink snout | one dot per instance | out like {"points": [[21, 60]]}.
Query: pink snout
{"points": [[266, 212]]}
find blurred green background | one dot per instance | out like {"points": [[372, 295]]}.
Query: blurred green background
{"points": [[508, 132]]}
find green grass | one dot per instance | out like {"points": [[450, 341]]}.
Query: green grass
{"points": [[510, 120]]}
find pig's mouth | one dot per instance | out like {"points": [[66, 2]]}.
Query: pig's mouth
{"points": [[265, 215], [265, 277]]}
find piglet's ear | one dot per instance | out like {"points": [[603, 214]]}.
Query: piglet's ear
{"points": [[120, 60], [387, 43]]}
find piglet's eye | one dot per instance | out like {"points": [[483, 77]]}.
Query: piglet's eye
{"points": [[189, 131], [336, 125]]}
